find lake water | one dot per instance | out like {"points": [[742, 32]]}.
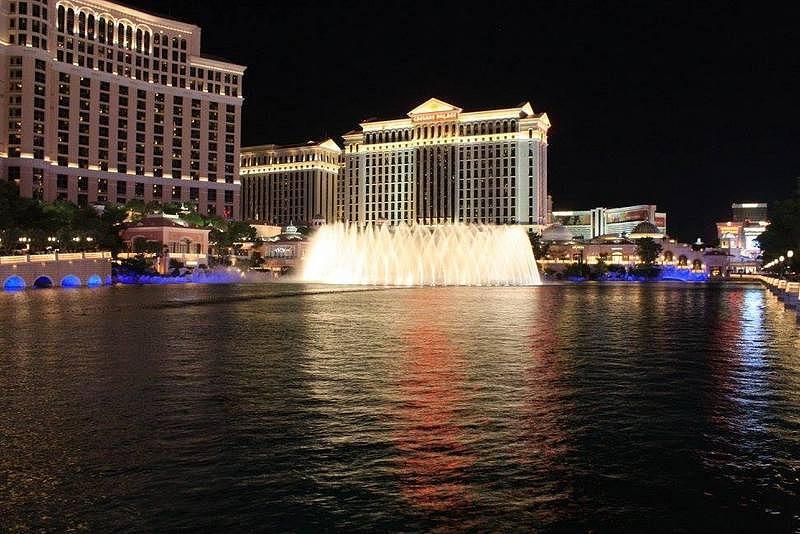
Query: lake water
{"points": [[288, 407]]}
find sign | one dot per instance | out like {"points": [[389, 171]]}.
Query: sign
{"points": [[435, 116]]}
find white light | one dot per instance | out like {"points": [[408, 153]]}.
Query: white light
{"points": [[790, 254]]}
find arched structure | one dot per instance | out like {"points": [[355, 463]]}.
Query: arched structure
{"points": [[43, 282], [70, 281], [13, 283], [94, 281]]}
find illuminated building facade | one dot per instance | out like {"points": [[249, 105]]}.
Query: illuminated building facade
{"points": [[442, 164], [586, 224], [284, 252], [291, 184], [105, 103], [740, 235], [680, 261], [177, 240]]}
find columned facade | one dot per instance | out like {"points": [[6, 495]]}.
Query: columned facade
{"points": [[442, 164], [291, 184]]}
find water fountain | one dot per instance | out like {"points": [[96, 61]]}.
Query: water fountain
{"points": [[415, 255]]}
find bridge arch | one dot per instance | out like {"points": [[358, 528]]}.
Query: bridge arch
{"points": [[43, 282], [94, 281], [14, 283], [70, 281]]}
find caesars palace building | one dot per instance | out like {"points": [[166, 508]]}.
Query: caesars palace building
{"points": [[104, 103], [439, 164], [442, 164]]}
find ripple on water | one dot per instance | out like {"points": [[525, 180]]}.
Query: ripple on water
{"points": [[572, 407]]}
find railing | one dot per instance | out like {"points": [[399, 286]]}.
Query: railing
{"points": [[56, 256]]}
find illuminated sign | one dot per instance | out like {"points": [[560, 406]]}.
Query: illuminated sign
{"points": [[435, 116]]}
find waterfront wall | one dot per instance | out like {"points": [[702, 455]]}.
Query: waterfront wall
{"points": [[55, 270], [787, 291]]}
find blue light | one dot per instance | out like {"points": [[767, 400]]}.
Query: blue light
{"points": [[71, 281], [14, 283], [94, 281], [227, 276]]}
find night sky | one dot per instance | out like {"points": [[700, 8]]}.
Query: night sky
{"points": [[684, 106]]}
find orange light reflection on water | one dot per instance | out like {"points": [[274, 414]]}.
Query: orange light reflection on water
{"points": [[432, 454]]}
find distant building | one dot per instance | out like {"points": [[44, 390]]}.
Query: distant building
{"points": [[442, 164], [587, 224], [749, 212], [740, 235], [264, 231], [564, 249], [168, 236], [290, 184], [284, 252], [104, 103]]}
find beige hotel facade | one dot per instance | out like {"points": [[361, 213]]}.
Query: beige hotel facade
{"points": [[443, 164], [290, 184], [104, 103]]}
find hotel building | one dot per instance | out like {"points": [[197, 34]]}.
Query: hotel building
{"points": [[587, 224], [442, 164], [290, 184], [741, 234], [104, 103]]}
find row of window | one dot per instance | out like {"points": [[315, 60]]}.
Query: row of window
{"points": [[118, 47], [28, 27], [156, 140], [435, 131], [274, 159]]}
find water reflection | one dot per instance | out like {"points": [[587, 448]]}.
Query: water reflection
{"points": [[432, 456], [557, 407]]}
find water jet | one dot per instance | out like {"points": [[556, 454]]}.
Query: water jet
{"points": [[416, 255]]}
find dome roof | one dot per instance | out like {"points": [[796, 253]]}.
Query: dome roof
{"points": [[645, 229], [556, 232]]}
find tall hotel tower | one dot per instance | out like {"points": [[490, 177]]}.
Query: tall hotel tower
{"points": [[441, 164], [291, 183], [104, 103]]}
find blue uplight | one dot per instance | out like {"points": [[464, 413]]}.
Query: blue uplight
{"points": [[14, 283], [94, 281], [71, 281]]}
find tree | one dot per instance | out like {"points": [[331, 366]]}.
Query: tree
{"points": [[602, 264], [648, 250], [783, 232], [540, 249]]}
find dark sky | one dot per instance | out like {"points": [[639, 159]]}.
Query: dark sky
{"points": [[690, 107]]}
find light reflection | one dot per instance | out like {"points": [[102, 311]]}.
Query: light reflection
{"points": [[432, 454]]}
